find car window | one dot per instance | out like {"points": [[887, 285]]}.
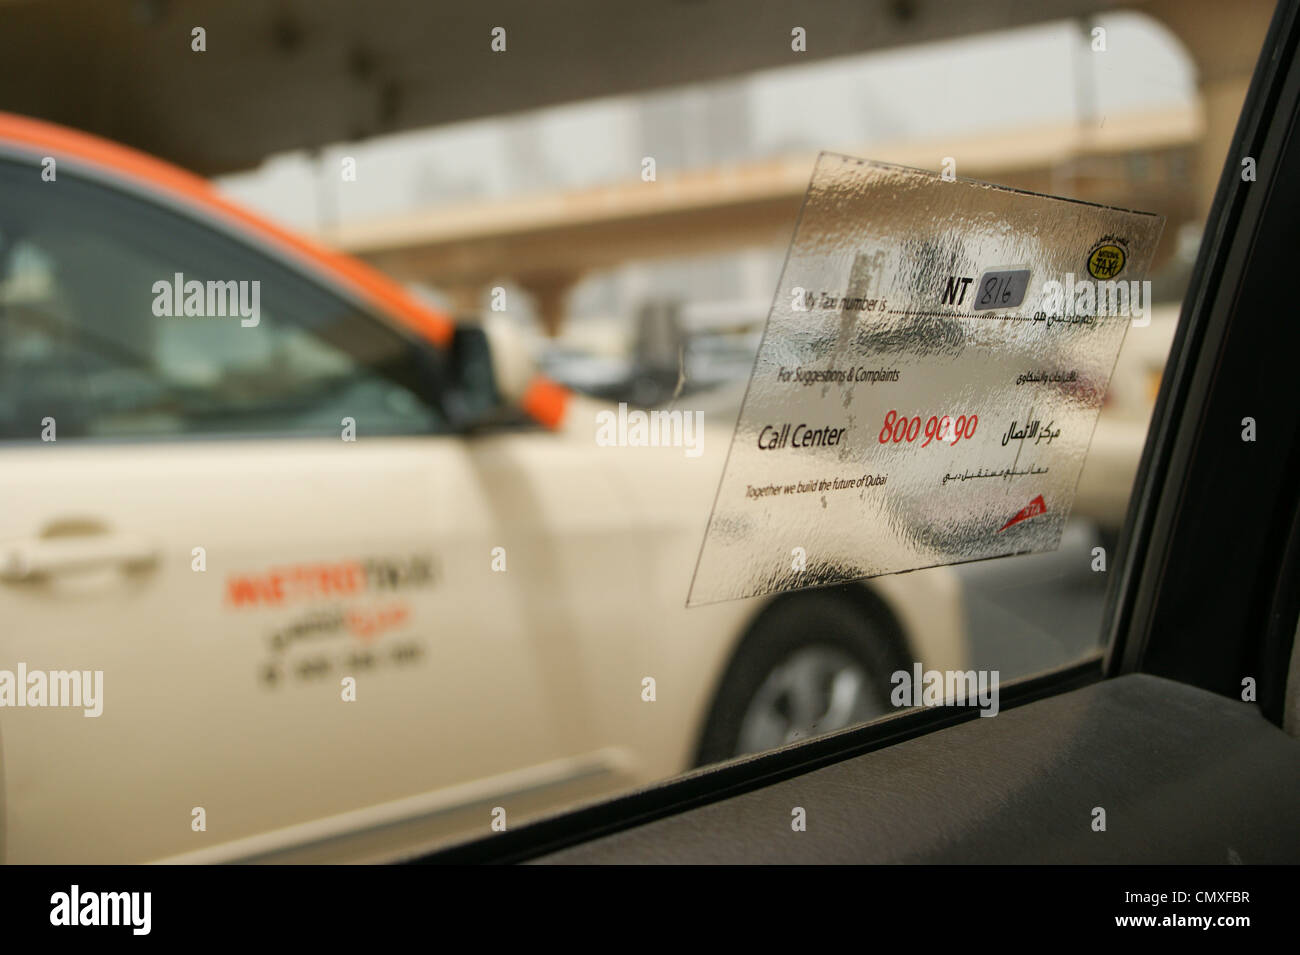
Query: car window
{"points": [[468, 633], [119, 319]]}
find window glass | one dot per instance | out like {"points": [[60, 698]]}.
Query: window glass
{"points": [[121, 320], [445, 638]]}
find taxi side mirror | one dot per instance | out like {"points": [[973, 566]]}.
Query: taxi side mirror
{"points": [[472, 395]]}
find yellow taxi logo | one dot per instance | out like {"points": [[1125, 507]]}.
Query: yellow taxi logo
{"points": [[1106, 261]]}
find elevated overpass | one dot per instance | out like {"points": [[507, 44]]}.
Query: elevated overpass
{"points": [[546, 243], [300, 74]]}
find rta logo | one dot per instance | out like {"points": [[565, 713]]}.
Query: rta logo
{"points": [[1033, 509]]}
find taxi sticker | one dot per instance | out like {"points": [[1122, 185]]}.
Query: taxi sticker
{"points": [[928, 379], [1106, 261]]}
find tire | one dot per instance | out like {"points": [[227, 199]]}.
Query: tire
{"points": [[847, 641]]}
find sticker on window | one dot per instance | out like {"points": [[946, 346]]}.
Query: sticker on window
{"points": [[928, 380]]}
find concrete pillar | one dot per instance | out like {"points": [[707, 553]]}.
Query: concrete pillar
{"points": [[1224, 40], [550, 294]]}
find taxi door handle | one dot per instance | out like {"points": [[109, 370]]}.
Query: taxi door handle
{"points": [[34, 557]]}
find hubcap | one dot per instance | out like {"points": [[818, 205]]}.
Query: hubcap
{"points": [[814, 690]]}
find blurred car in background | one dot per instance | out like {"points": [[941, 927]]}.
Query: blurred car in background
{"points": [[676, 350], [345, 599], [1111, 465]]}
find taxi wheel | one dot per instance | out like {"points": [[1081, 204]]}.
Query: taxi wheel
{"points": [[812, 663]]}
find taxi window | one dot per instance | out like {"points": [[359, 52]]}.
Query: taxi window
{"points": [[119, 319]]}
